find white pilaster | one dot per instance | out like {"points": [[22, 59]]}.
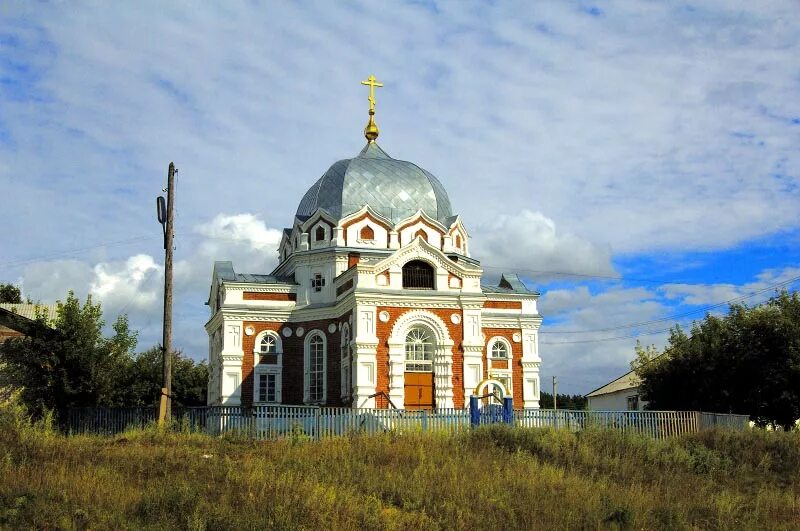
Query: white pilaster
{"points": [[530, 369], [443, 374], [394, 240], [397, 372], [365, 366]]}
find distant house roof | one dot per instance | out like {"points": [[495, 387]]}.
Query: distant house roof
{"points": [[22, 317], [509, 284], [30, 311], [629, 380]]}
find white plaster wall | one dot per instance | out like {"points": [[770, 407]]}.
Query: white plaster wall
{"points": [[407, 234], [354, 232], [616, 401]]}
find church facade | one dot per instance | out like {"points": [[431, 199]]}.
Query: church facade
{"points": [[376, 302]]}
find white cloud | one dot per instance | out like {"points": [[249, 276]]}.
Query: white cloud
{"points": [[128, 286], [134, 286], [705, 294], [588, 336], [529, 242], [241, 228], [48, 281], [631, 129], [653, 127]]}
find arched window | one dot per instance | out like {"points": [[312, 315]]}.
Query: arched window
{"points": [[499, 350], [268, 367], [458, 241], [367, 233], [422, 234], [319, 235], [419, 350], [418, 275], [345, 362], [316, 360]]}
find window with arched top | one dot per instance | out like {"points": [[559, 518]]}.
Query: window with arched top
{"points": [[319, 234], [499, 350], [268, 368], [345, 362], [367, 233], [458, 241], [419, 350], [421, 234], [500, 364], [316, 361], [418, 275]]}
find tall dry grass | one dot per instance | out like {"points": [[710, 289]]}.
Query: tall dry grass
{"points": [[494, 477]]}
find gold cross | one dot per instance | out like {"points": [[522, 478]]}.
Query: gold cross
{"points": [[372, 83]]}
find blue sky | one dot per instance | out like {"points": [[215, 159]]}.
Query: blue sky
{"points": [[657, 144]]}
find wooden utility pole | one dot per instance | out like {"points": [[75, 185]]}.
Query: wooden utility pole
{"points": [[166, 219], [555, 399]]}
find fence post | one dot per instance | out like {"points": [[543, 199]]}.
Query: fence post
{"points": [[698, 421], [508, 410], [317, 423], [424, 420], [474, 414]]}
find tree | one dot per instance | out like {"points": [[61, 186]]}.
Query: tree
{"points": [[564, 401], [144, 379], [10, 293], [745, 362], [73, 366]]}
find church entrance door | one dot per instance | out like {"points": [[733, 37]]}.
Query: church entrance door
{"points": [[418, 390]]}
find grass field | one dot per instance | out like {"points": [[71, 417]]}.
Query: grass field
{"points": [[494, 478]]}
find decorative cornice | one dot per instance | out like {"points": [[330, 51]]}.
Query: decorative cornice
{"points": [[291, 315], [261, 288]]}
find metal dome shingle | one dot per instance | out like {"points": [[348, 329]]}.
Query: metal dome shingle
{"points": [[393, 188]]}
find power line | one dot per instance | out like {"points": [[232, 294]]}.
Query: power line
{"points": [[604, 339], [683, 314], [585, 275], [77, 250]]}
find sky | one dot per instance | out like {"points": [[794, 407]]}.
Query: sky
{"points": [[636, 162]]}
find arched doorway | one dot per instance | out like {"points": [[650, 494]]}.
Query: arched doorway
{"points": [[418, 377], [421, 356]]}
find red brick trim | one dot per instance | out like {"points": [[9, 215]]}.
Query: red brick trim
{"points": [[503, 305], [259, 296]]}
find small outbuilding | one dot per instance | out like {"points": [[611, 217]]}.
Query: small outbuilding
{"points": [[621, 394]]}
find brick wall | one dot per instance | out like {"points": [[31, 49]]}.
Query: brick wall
{"points": [[384, 331], [293, 379]]}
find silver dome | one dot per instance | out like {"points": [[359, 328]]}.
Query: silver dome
{"points": [[395, 189]]}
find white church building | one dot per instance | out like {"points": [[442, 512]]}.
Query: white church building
{"points": [[376, 302]]}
